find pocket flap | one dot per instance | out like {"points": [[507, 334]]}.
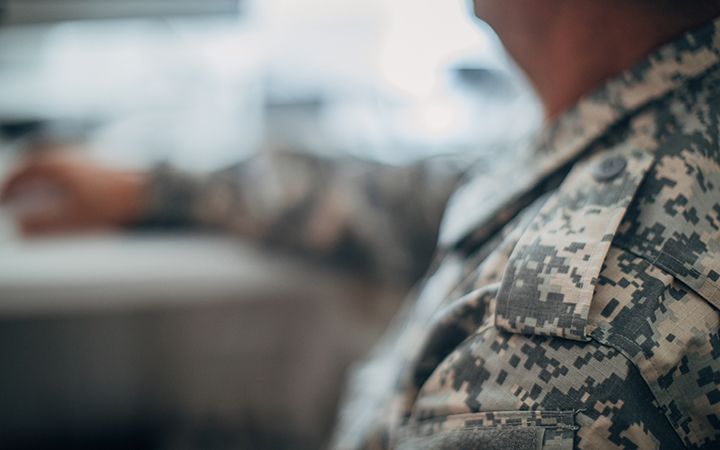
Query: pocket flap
{"points": [[550, 279]]}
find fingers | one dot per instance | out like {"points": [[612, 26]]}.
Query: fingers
{"points": [[62, 193], [35, 196], [49, 166], [42, 223], [22, 176], [36, 171]]}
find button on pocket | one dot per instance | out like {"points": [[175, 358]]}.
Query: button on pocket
{"points": [[609, 168]]}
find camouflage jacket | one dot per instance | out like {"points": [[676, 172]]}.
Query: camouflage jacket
{"points": [[574, 299]]}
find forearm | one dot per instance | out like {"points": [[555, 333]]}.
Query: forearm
{"points": [[372, 217]]}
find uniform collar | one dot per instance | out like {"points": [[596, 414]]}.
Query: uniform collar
{"points": [[663, 71], [480, 205]]}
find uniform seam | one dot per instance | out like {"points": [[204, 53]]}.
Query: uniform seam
{"points": [[652, 257], [703, 277], [566, 415], [605, 342]]}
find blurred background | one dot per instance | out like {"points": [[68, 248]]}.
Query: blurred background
{"points": [[167, 340]]}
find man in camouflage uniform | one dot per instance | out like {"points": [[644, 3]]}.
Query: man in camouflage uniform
{"points": [[574, 299]]}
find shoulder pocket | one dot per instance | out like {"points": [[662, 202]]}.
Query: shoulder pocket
{"points": [[550, 279], [518, 430]]}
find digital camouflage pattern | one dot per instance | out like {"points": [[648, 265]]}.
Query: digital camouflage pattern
{"points": [[574, 299], [375, 218]]}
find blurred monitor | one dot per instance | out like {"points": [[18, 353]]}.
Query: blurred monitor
{"points": [[14, 12]]}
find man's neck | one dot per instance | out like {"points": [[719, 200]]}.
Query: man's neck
{"points": [[585, 48]]}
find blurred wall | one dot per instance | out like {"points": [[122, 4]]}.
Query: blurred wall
{"points": [[14, 12]]}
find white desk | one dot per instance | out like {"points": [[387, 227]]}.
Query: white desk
{"points": [[69, 275]]}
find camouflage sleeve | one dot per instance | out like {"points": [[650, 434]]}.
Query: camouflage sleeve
{"points": [[372, 217]]}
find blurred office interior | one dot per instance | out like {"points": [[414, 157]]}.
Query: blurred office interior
{"points": [[160, 339]]}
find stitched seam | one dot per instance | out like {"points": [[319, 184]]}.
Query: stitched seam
{"points": [[652, 256], [567, 415], [623, 352]]}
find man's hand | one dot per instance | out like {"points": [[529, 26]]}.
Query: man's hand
{"points": [[61, 191]]}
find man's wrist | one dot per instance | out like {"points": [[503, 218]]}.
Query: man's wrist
{"points": [[167, 197], [131, 198]]}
